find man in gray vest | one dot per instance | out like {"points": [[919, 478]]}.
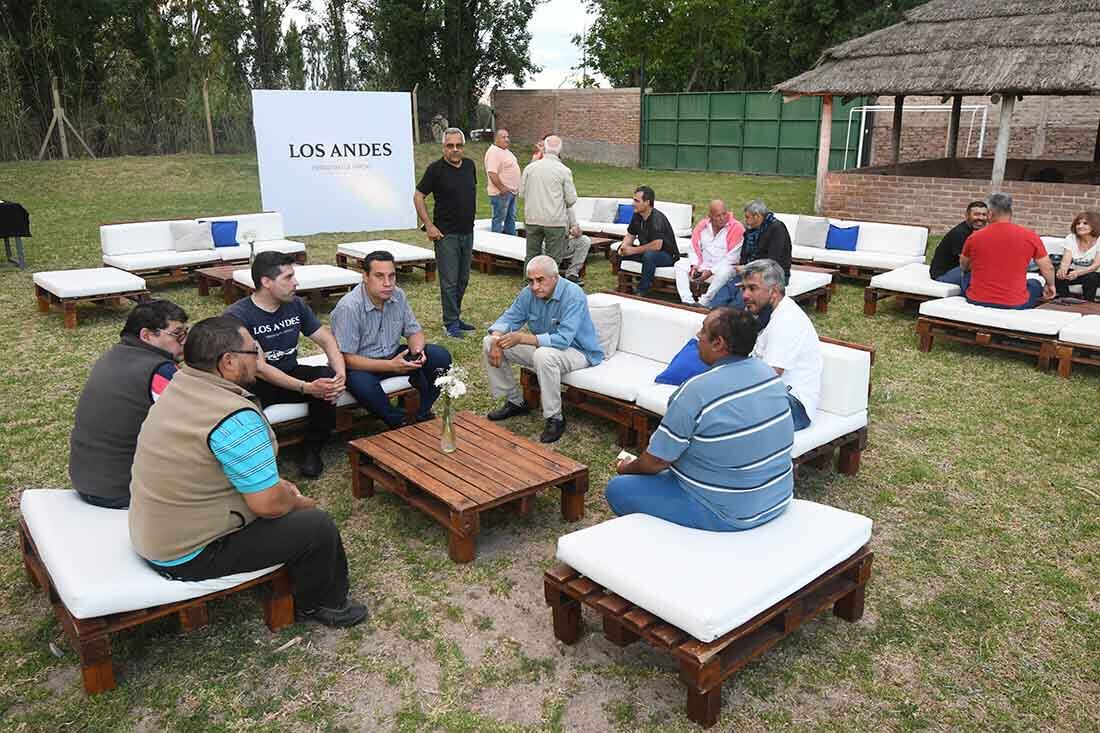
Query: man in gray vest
{"points": [[207, 499], [121, 388]]}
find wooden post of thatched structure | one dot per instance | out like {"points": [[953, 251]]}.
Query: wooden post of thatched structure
{"points": [[1000, 158], [59, 121], [1096, 148], [1039, 147], [953, 126], [209, 122], [824, 143], [416, 115], [895, 141]]}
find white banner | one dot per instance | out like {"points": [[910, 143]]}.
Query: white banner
{"points": [[335, 161]]}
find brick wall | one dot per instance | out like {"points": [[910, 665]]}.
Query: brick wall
{"points": [[939, 203], [597, 125], [1070, 127]]}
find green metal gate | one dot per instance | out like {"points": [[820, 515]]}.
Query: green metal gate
{"points": [[749, 132]]}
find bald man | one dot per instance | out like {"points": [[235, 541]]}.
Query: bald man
{"points": [[502, 170], [715, 250], [546, 186]]}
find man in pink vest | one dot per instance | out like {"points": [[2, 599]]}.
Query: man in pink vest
{"points": [[715, 250]]}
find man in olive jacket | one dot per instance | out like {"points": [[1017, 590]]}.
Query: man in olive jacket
{"points": [[206, 496]]}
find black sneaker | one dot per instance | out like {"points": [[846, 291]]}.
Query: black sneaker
{"points": [[349, 614], [507, 410], [311, 465], [462, 325], [425, 418], [575, 279], [555, 427], [455, 331]]}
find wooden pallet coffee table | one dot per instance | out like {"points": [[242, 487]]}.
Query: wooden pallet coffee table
{"points": [[491, 467], [216, 277]]}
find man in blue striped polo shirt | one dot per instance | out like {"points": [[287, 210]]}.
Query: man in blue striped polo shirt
{"points": [[721, 458]]}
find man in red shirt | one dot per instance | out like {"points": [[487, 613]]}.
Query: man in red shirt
{"points": [[995, 259]]}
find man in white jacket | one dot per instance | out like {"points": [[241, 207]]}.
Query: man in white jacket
{"points": [[715, 249]]}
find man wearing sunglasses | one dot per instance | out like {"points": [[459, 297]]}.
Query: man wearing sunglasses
{"points": [[121, 388], [452, 180]]}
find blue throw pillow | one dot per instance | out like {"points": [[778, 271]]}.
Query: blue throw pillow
{"points": [[224, 232], [844, 238], [624, 213], [683, 366]]}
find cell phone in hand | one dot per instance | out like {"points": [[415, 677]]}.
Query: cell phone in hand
{"points": [[412, 356], [625, 456]]}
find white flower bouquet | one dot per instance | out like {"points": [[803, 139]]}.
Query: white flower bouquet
{"points": [[452, 385]]}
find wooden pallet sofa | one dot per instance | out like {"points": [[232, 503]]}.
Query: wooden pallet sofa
{"points": [[622, 387], [879, 248], [406, 256], [1034, 332], [653, 580], [81, 556], [1078, 343], [289, 420], [146, 248], [495, 251]]}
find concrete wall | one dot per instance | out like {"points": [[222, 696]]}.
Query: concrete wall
{"points": [[1062, 128], [597, 125]]}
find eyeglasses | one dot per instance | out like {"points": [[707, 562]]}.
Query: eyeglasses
{"points": [[454, 145], [179, 334], [254, 352]]}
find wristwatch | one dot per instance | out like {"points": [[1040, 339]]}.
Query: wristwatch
{"points": [[302, 386]]}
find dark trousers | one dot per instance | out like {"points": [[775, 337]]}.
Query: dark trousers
{"points": [[306, 541], [322, 413], [1087, 282], [452, 261], [1034, 294], [367, 386], [798, 412], [730, 295], [650, 260], [113, 502]]}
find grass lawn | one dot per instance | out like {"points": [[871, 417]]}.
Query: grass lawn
{"points": [[982, 614]]}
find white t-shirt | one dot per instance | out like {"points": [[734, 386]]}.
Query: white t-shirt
{"points": [[1080, 259], [712, 244], [789, 342]]}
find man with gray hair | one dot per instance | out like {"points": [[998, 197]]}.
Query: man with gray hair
{"points": [[788, 342], [766, 238], [995, 259], [502, 169], [453, 181], [560, 338], [548, 191]]}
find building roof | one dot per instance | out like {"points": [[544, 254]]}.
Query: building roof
{"points": [[967, 47]]}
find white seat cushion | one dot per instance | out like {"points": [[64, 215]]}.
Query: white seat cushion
{"points": [[87, 551], [299, 411], [137, 237], [311, 276], [501, 245], [162, 258], [683, 243], [915, 280], [800, 252], [1084, 331], [655, 398], [709, 583], [240, 252], [88, 282], [845, 379], [803, 282], [486, 225], [401, 252], [668, 273], [1040, 322], [825, 427], [621, 377], [877, 260], [611, 229], [891, 239]]}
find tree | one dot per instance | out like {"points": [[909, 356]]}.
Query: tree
{"points": [[336, 44], [295, 58], [265, 19]]}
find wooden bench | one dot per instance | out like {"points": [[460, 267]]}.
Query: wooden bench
{"points": [[1019, 342], [705, 666], [91, 637]]}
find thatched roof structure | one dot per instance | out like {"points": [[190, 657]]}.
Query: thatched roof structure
{"points": [[967, 47]]}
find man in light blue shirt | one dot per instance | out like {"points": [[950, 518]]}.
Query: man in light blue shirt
{"points": [[561, 338], [721, 458]]}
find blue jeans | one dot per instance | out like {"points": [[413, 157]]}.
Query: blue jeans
{"points": [[798, 413], [954, 276], [729, 295], [661, 495], [651, 260], [504, 213], [366, 387], [1034, 293]]}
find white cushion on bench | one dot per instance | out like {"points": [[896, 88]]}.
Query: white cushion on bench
{"points": [[486, 225], [267, 225], [825, 427], [1041, 322], [802, 252], [299, 411], [156, 260], [311, 276], [683, 243], [87, 551], [915, 280], [240, 252], [655, 398], [88, 282], [134, 237], [621, 377], [895, 239], [667, 273], [845, 376], [709, 583], [401, 252], [501, 245], [1084, 331], [861, 258], [652, 330], [803, 281]]}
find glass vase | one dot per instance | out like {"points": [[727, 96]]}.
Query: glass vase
{"points": [[447, 441]]}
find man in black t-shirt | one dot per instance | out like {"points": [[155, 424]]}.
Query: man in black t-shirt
{"points": [[275, 317], [657, 241], [453, 181], [945, 260]]}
